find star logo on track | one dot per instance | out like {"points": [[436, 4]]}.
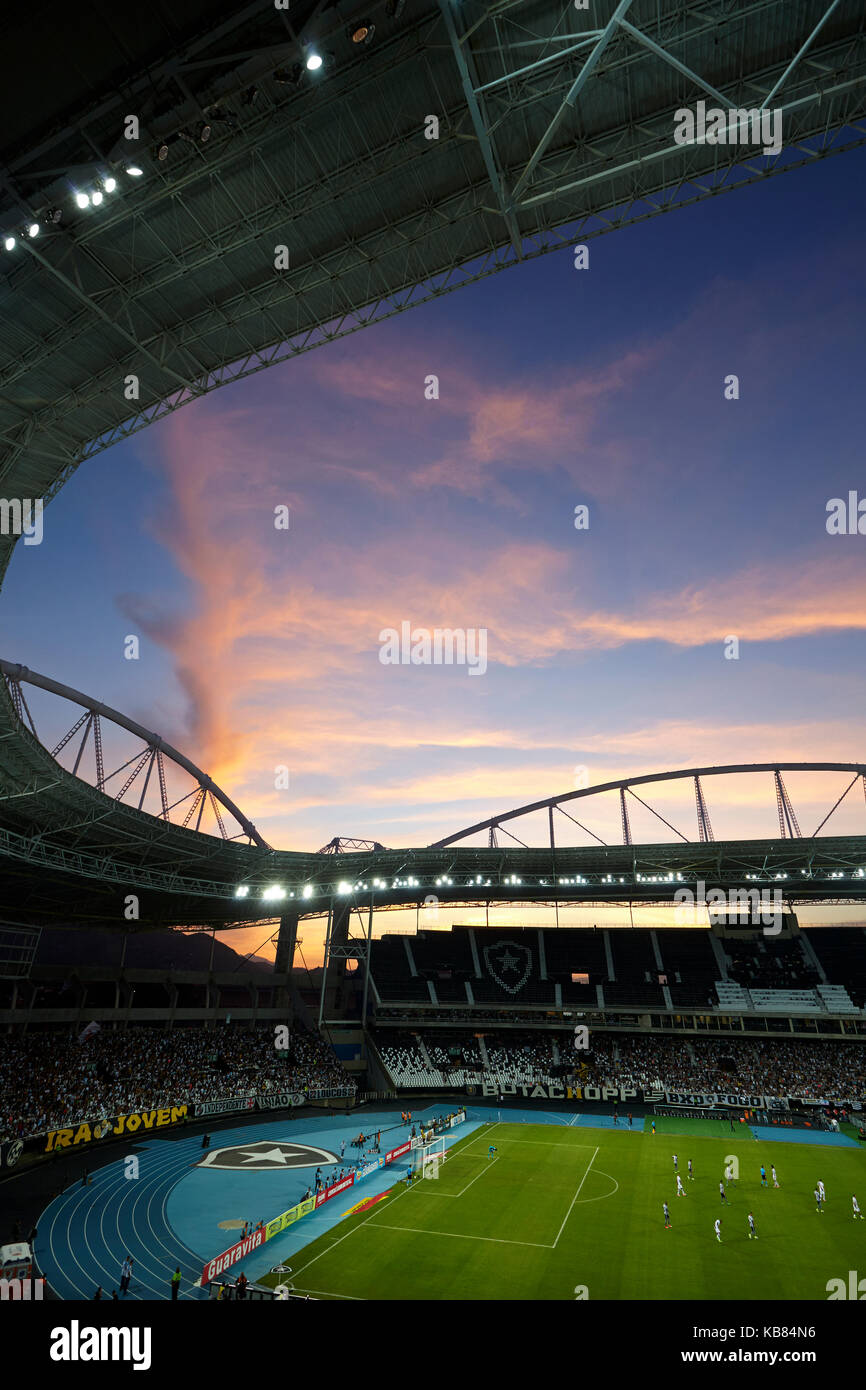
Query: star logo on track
{"points": [[267, 1155]]}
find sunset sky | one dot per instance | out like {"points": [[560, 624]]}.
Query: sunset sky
{"points": [[605, 647]]}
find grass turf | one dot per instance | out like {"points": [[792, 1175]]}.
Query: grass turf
{"points": [[557, 1209]]}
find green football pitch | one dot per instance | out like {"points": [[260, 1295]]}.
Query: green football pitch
{"points": [[569, 1213]]}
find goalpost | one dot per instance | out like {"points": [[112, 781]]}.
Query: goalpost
{"points": [[428, 1158]]}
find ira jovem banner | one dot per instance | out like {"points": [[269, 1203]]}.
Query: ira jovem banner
{"points": [[88, 1133]]}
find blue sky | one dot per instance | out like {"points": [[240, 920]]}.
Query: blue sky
{"points": [[260, 649]]}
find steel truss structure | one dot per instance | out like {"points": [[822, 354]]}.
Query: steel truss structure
{"points": [[136, 770], [788, 824], [69, 851], [464, 139], [552, 126]]}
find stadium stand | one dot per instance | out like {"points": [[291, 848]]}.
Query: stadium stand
{"points": [[637, 970], [690, 966], [810, 1070], [48, 1080], [841, 954]]}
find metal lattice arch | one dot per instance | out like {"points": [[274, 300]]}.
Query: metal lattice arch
{"points": [[789, 826], [555, 126], [146, 771]]}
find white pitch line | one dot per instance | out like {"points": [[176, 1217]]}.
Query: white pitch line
{"points": [[540, 1143], [475, 1179], [574, 1198], [457, 1235], [340, 1239]]}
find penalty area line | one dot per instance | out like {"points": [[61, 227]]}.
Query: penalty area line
{"points": [[458, 1235], [574, 1198]]}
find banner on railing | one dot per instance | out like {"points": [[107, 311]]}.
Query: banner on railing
{"points": [[226, 1105], [232, 1255], [334, 1190], [284, 1101]]}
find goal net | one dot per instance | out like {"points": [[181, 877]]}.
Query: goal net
{"points": [[428, 1158]]}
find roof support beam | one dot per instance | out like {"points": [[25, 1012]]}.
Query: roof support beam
{"points": [[574, 92], [671, 60], [797, 56], [469, 82], [673, 151]]}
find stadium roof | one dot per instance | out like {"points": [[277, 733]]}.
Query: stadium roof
{"points": [[553, 124]]}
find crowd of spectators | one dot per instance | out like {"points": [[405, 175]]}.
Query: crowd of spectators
{"points": [[813, 1070], [51, 1081]]}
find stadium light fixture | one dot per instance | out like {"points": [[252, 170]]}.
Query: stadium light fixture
{"points": [[96, 197], [273, 894], [343, 887], [308, 890], [109, 184], [362, 32], [9, 243], [242, 890], [33, 229], [313, 62], [134, 171]]}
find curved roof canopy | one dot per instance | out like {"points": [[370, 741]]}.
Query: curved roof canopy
{"points": [[461, 139]]}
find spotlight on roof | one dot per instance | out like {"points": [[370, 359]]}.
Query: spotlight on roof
{"points": [[33, 229], [363, 32], [162, 153], [203, 133], [83, 200], [134, 171], [313, 62], [242, 890], [96, 197], [9, 243], [109, 185]]}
